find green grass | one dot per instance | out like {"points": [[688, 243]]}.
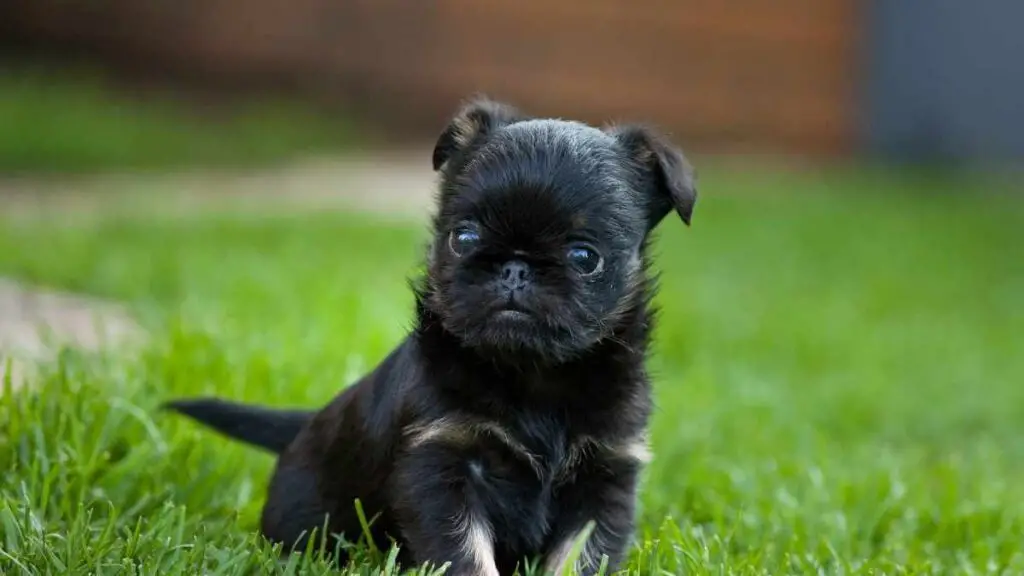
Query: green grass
{"points": [[74, 122], [839, 374]]}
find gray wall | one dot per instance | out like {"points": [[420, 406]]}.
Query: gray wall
{"points": [[945, 79]]}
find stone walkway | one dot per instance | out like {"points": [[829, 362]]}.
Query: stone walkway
{"points": [[399, 183], [33, 321]]}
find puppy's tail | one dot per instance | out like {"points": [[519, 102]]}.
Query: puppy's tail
{"points": [[269, 429]]}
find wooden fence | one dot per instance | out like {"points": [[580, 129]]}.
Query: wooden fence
{"points": [[735, 75]]}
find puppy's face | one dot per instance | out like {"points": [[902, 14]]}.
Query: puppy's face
{"points": [[541, 224]]}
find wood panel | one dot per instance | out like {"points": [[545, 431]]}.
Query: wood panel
{"points": [[777, 74]]}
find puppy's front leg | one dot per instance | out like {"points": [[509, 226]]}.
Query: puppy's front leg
{"points": [[439, 518], [606, 496]]}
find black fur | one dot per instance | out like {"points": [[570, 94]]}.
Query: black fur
{"points": [[267, 428], [516, 410]]}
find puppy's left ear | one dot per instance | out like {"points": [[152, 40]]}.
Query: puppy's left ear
{"points": [[475, 119], [672, 182]]}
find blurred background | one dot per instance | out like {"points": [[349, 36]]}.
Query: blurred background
{"points": [[223, 81], [838, 357]]}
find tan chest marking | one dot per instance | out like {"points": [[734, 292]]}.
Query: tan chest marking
{"points": [[630, 450], [463, 432]]}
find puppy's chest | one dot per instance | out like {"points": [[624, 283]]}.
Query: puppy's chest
{"points": [[534, 454], [516, 470], [537, 444]]}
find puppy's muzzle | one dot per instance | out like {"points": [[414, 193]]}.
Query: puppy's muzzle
{"points": [[515, 277]]}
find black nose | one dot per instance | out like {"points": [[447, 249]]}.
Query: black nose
{"points": [[515, 275]]}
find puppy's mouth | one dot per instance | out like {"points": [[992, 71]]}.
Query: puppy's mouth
{"points": [[512, 310], [512, 314]]}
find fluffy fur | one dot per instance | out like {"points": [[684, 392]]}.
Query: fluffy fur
{"points": [[516, 411]]}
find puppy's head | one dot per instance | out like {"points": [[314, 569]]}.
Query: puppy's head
{"points": [[541, 228]]}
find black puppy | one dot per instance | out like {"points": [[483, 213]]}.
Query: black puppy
{"points": [[515, 413]]}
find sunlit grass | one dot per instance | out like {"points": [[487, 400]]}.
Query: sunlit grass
{"points": [[840, 383], [74, 122]]}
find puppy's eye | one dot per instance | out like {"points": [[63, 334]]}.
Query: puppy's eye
{"points": [[585, 259], [462, 240]]}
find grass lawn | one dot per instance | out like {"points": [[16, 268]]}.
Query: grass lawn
{"points": [[839, 369], [74, 121]]}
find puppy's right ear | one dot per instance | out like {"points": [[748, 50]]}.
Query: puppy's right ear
{"points": [[673, 178], [477, 118]]}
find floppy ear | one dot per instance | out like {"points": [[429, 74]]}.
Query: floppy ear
{"points": [[673, 182], [476, 118]]}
